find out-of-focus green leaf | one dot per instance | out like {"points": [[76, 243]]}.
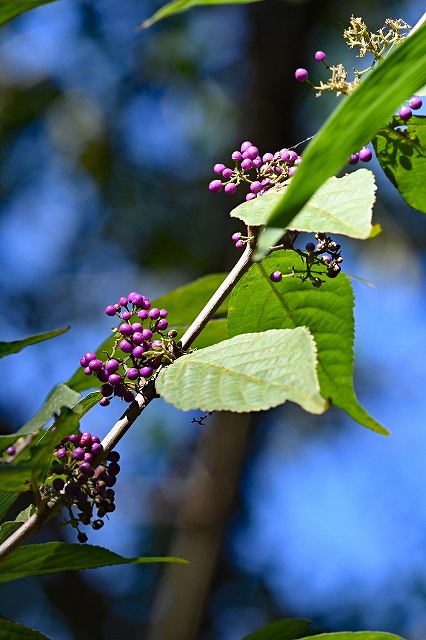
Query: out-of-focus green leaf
{"points": [[342, 205], [353, 124], [258, 304], [6, 501], [11, 8], [249, 372], [15, 631], [177, 6], [280, 630], [51, 557], [85, 404], [9, 348], [355, 635], [402, 156]]}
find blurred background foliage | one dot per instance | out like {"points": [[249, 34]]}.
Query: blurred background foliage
{"points": [[108, 136]]}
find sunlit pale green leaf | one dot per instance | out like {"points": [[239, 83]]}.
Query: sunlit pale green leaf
{"points": [[177, 6], [341, 205], [8, 348], [353, 124], [183, 305], [249, 372], [258, 304], [280, 630], [402, 156], [15, 631], [51, 557]]}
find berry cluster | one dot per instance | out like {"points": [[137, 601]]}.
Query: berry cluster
{"points": [[325, 252], [84, 484], [140, 348], [406, 112], [261, 173]]}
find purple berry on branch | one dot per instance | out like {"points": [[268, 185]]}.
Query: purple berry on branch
{"points": [[137, 338], [143, 315], [125, 329], [96, 365], [114, 456], [230, 188], [415, 103], [164, 313], [87, 371], [154, 313], [110, 310], [215, 186], [239, 244], [112, 365], [267, 157], [405, 113], [218, 168], [96, 448], [132, 373], [320, 56], [353, 159], [162, 324], [126, 315], [236, 155], [255, 187], [115, 379], [123, 301], [245, 145], [276, 276], [227, 173], [310, 247], [128, 396], [236, 236], [11, 451], [146, 372], [106, 389], [102, 376], [247, 164], [126, 346], [365, 154], [301, 75]]}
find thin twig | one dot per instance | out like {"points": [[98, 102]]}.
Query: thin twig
{"points": [[40, 517]]}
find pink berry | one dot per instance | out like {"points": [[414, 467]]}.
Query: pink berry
{"points": [[320, 56], [215, 186], [301, 75], [365, 154], [405, 113], [230, 188], [415, 103]]}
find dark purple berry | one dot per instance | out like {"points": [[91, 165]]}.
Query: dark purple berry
{"points": [[82, 537], [104, 402], [353, 159], [112, 366], [78, 453], [276, 276], [113, 456], [61, 453], [310, 247], [162, 324], [146, 372], [97, 524], [126, 346], [114, 469], [11, 451], [110, 310], [128, 396], [58, 484], [85, 468], [301, 75]]}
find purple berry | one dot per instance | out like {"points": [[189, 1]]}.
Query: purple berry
{"points": [[164, 313], [111, 310], [126, 315], [115, 379], [96, 365], [320, 56], [83, 362], [128, 396], [310, 247], [415, 103], [143, 314], [96, 448], [250, 196], [131, 295], [255, 187], [146, 372], [11, 451], [86, 468], [227, 173], [267, 157], [157, 344], [132, 373], [114, 456], [292, 171], [78, 453], [137, 338], [247, 164], [252, 152], [218, 168], [58, 484], [114, 469], [147, 333], [74, 438], [123, 302], [276, 276], [125, 329], [102, 376], [162, 324], [154, 313], [126, 346], [87, 371], [236, 236], [301, 75], [111, 366], [230, 188], [90, 356], [405, 113], [138, 351], [88, 457], [215, 186], [285, 155], [236, 155], [365, 154], [239, 244], [353, 159], [245, 145], [82, 537]]}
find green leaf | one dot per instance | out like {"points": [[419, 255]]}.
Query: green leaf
{"points": [[249, 372], [177, 6], [402, 156], [7, 528], [355, 635], [214, 332], [11, 8], [51, 557], [341, 205], [280, 630], [60, 396], [15, 631], [8, 348], [353, 124], [258, 304], [87, 403], [6, 501], [183, 305]]}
